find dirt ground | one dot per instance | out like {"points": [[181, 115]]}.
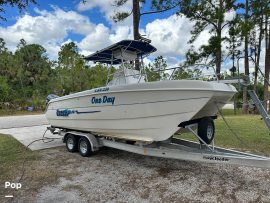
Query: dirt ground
{"points": [[117, 176]]}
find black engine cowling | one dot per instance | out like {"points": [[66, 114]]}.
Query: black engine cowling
{"points": [[50, 97]]}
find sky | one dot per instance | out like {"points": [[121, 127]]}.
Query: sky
{"points": [[52, 23]]}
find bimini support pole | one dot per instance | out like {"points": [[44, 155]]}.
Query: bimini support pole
{"points": [[109, 72]]}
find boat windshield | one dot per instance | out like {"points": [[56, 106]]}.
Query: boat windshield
{"points": [[126, 76]]}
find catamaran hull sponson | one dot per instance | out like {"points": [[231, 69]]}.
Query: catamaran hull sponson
{"points": [[145, 111]]}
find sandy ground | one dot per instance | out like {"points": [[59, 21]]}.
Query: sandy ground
{"points": [[116, 176]]}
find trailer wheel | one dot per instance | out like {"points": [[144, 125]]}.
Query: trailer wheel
{"points": [[206, 130], [71, 143], [84, 147]]}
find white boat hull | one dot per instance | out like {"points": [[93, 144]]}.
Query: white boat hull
{"points": [[147, 111]]}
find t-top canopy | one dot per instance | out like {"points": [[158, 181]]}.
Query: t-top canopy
{"points": [[108, 55]]}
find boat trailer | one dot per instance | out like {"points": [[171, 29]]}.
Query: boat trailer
{"points": [[172, 148]]}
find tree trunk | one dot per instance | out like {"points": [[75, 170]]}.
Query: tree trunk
{"points": [[219, 53], [136, 23], [218, 59], [136, 19], [266, 79], [245, 104], [233, 72], [257, 61], [267, 65], [233, 55]]}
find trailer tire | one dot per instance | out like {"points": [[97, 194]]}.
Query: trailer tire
{"points": [[84, 147], [71, 143], [206, 129]]}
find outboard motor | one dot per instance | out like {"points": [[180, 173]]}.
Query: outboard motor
{"points": [[50, 97]]}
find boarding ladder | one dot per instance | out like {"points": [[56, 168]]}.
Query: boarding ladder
{"points": [[260, 107]]}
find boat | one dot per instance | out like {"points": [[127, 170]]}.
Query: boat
{"points": [[129, 107]]}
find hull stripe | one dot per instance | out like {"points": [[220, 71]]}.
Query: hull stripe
{"points": [[139, 103]]}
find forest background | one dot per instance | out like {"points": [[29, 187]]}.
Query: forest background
{"points": [[28, 75]]}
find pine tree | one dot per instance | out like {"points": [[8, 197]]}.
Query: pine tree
{"points": [[157, 6], [207, 14], [20, 4]]}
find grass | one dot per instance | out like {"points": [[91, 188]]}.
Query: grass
{"points": [[252, 131], [18, 113], [12, 154], [230, 112], [39, 170]]}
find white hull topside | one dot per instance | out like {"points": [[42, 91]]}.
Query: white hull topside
{"points": [[148, 111]]}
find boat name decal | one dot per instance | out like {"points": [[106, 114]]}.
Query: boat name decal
{"points": [[103, 100], [102, 89], [215, 158], [67, 112]]}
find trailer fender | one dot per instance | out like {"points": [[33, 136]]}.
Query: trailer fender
{"points": [[91, 138]]}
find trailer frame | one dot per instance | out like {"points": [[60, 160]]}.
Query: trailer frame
{"points": [[174, 148]]}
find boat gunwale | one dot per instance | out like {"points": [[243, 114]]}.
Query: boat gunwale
{"points": [[66, 97], [150, 102]]}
